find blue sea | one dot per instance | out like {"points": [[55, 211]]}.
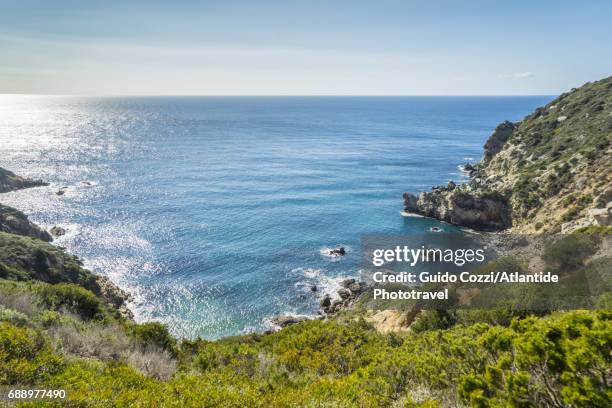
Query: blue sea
{"points": [[215, 212]]}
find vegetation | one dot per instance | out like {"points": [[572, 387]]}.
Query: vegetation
{"points": [[64, 336], [559, 151]]}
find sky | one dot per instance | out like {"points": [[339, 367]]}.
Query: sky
{"points": [[332, 47]]}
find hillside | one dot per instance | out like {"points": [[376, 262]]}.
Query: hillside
{"points": [[550, 172]]}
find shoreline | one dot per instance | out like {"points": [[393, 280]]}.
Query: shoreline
{"points": [[13, 221]]}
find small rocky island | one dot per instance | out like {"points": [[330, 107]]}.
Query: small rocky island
{"points": [[551, 172]]}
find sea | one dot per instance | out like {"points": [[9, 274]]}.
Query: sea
{"points": [[216, 213]]}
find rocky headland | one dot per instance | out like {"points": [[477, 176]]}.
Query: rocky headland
{"points": [[26, 253], [550, 172], [9, 181]]}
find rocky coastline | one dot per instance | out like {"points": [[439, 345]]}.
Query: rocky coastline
{"points": [[550, 172], [15, 223]]}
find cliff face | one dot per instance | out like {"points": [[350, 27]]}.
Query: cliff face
{"points": [[550, 172], [9, 181], [15, 222]]}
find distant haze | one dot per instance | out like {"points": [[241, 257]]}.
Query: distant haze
{"points": [[303, 48]]}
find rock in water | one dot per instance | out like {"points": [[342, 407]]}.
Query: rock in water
{"points": [[347, 282], [488, 211], [57, 231], [338, 252], [325, 302]]}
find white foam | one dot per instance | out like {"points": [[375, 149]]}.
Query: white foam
{"points": [[326, 285], [409, 214]]}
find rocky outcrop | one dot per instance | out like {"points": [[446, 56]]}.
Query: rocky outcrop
{"points": [[113, 295], [599, 217], [288, 320], [57, 231], [15, 222], [9, 181], [348, 295], [486, 212], [497, 140]]}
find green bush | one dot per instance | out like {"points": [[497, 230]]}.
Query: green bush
{"points": [[155, 333], [72, 297], [25, 357], [13, 316], [569, 252]]}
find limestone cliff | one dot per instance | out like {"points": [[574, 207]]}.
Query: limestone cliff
{"points": [[550, 172]]}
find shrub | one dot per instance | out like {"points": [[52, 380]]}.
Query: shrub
{"points": [[569, 252], [71, 297], [105, 342], [433, 320], [153, 362], [12, 316], [155, 334], [25, 357]]}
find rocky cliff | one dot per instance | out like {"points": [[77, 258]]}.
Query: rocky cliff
{"points": [[15, 222], [9, 181], [550, 172]]}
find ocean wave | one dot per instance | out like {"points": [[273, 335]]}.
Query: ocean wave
{"points": [[326, 285], [408, 214]]}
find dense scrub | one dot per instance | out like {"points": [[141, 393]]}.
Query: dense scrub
{"points": [[559, 360], [56, 333]]}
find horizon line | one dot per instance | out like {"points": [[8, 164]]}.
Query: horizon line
{"points": [[265, 95]]}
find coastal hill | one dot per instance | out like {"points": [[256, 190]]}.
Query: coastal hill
{"points": [[550, 172]]}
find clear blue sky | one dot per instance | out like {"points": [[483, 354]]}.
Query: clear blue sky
{"points": [[303, 47]]}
